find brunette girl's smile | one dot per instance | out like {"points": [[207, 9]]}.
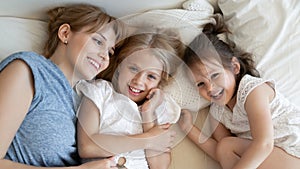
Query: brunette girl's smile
{"points": [[217, 95]]}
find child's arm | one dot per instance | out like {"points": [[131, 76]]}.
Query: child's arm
{"points": [[218, 129], [156, 159], [261, 126], [207, 144], [91, 144]]}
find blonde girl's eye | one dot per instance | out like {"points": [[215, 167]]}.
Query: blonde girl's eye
{"points": [[97, 41], [152, 77]]}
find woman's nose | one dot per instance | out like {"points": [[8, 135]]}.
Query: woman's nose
{"points": [[104, 55]]}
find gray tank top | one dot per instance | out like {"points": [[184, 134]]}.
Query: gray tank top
{"points": [[47, 134]]}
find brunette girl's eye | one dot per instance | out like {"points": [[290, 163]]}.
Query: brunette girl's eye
{"points": [[200, 84], [215, 75]]}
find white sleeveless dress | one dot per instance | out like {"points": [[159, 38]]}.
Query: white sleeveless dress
{"points": [[285, 116], [120, 116]]}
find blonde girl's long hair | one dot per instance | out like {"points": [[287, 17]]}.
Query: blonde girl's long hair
{"points": [[165, 44]]}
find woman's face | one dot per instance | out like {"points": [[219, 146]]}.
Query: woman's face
{"points": [[214, 83], [90, 52], [138, 74]]}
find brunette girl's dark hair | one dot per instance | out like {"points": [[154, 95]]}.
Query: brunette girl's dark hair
{"points": [[208, 45]]}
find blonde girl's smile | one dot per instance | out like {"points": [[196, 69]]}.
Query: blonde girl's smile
{"points": [[134, 91]]}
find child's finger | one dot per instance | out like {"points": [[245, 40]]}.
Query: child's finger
{"points": [[112, 161], [150, 94], [165, 126]]}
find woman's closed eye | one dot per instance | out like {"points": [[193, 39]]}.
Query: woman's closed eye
{"points": [[133, 69]]}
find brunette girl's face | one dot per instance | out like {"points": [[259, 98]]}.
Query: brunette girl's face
{"points": [[138, 74], [91, 51], [214, 83]]}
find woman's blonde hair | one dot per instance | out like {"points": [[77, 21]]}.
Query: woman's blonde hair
{"points": [[164, 44], [77, 16]]}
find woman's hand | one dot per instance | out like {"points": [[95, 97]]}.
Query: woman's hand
{"points": [[100, 164], [186, 121]]}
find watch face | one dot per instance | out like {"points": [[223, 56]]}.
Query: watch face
{"points": [[121, 163]]}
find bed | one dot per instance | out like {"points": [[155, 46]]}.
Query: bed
{"points": [[267, 28]]}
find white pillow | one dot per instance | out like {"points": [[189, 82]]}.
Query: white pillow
{"points": [[195, 5], [271, 31], [189, 23], [19, 34]]}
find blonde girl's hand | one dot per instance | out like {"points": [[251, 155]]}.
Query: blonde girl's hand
{"points": [[100, 164], [186, 121], [155, 98], [161, 138]]}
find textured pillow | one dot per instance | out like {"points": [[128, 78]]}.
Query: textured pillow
{"points": [[19, 34], [271, 31], [187, 22]]}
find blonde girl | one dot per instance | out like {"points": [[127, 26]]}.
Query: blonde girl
{"points": [[113, 126]]}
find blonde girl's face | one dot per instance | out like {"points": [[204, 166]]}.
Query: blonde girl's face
{"points": [[90, 52], [214, 83], [138, 74]]}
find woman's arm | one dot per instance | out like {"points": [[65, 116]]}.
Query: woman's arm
{"points": [[16, 93], [91, 144], [98, 164], [261, 126]]}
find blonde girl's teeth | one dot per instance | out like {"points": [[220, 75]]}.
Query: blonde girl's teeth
{"points": [[134, 90]]}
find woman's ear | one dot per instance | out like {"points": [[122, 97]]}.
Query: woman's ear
{"points": [[235, 65], [64, 33]]}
